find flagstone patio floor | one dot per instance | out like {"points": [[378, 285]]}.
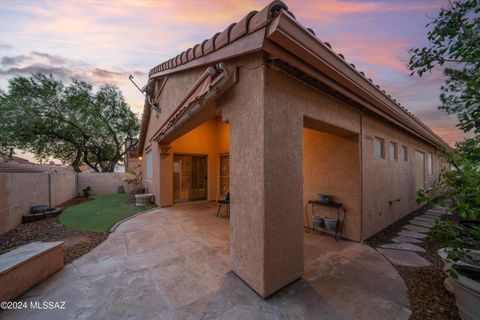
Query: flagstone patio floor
{"points": [[173, 263]]}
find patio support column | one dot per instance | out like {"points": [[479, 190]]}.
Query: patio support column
{"points": [[266, 220], [283, 189], [166, 176]]}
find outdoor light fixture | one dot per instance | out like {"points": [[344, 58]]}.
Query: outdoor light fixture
{"points": [[139, 158], [218, 68]]}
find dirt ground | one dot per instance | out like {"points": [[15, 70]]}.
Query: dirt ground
{"points": [[77, 242]]}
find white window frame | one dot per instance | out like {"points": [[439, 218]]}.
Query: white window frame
{"points": [[149, 165], [382, 148], [393, 145], [429, 163]]}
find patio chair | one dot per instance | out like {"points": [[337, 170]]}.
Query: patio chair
{"points": [[224, 202]]}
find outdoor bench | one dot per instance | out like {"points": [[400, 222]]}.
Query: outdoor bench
{"points": [[25, 266]]}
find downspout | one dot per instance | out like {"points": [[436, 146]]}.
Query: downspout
{"points": [[361, 172]]}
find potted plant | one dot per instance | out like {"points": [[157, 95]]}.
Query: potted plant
{"points": [[86, 191]]}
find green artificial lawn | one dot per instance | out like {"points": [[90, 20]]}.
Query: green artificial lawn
{"points": [[101, 213]]}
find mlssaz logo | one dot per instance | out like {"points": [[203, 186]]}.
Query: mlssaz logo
{"points": [[47, 305]]}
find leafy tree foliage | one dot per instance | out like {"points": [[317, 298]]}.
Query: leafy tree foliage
{"points": [[71, 122], [454, 45]]}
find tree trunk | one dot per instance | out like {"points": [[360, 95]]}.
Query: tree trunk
{"points": [[85, 159], [76, 161]]}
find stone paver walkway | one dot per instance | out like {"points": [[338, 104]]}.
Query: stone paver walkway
{"points": [[407, 242], [173, 263], [404, 258]]}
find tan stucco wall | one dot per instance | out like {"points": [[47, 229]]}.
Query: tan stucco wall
{"points": [[386, 180], [174, 90], [24, 276], [331, 166], [242, 107], [383, 180]]}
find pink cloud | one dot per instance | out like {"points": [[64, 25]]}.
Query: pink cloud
{"points": [[350, 7]]}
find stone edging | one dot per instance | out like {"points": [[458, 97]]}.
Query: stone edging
{"points": [[115, 226]]}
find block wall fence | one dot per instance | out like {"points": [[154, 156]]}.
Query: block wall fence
{"points": [[20, 191]]}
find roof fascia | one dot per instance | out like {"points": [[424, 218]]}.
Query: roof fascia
{"points": [[299, 42], [248, 44]]}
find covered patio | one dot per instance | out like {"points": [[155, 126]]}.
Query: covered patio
{"points": [[173, 263]]}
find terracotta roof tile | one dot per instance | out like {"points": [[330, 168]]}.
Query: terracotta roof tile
{"points": [[223, 38], [253, 21], [183, 57], [190, 55], [209, 46], [241, 28]]}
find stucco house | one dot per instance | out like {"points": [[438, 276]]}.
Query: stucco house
{"points": [[268, 112]]}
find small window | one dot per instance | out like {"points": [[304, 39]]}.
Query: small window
{"points": [[379, 148], [149, 165], [393, 151], [404, 153], [429, 163]]}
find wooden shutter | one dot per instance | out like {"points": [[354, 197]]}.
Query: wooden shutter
{"points": [[224, 174], [181, 178]]}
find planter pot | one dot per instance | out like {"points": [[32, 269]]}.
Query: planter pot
{"points": [[39, 209], [467, 291], [467, 295], [143, 199], [317, 221], [330, 224], [443, 253], [324, 198]]}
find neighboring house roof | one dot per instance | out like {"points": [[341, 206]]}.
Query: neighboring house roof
{"points": [[275, 30], [17, 164]]}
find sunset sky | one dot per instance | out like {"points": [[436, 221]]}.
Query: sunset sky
{"points": [[105, 41]]}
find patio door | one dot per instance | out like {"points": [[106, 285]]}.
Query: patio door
{"points": [[419, 170], [189, 178]]}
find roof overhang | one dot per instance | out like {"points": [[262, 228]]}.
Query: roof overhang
{"points": [[199, 98], [288, 41]]}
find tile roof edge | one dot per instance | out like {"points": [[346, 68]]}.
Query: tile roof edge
{"points": [[250, 23]]}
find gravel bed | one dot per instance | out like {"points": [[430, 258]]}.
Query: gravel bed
{"points": [[428, 297], [77, 242]]}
